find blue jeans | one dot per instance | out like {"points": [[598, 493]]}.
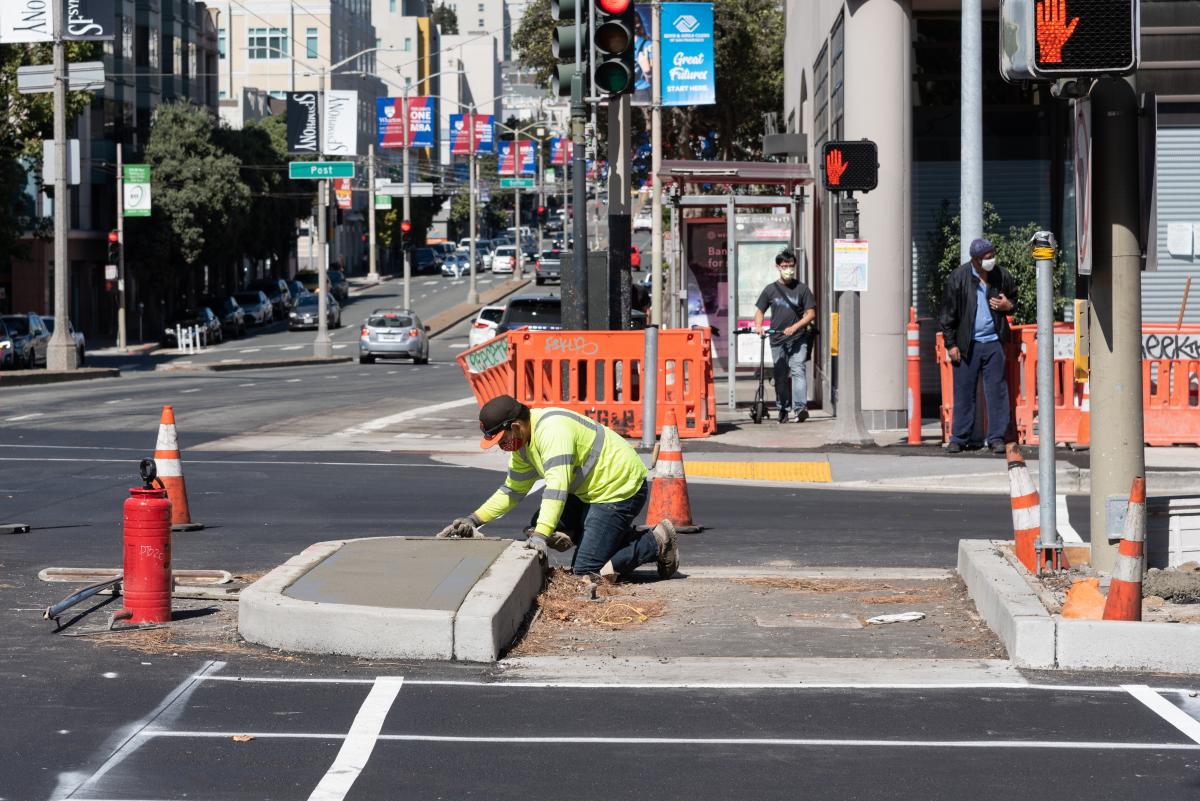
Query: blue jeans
{"points": [[604, 532], [791, 382], [986, 358]]}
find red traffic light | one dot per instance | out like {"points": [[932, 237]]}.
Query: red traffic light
{"points": [[405, 226], [541, 209], [114, 237], [614, 6]]}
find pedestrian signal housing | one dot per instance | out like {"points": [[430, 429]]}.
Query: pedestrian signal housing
{"points": [[114, 247], [563, 43], [1050, 39], [612, 73], [850, 166]]}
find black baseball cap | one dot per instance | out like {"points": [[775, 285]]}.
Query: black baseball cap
{"points": [[496, 416]]}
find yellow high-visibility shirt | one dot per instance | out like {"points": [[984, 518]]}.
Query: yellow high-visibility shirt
{"points": [[575, 456]]}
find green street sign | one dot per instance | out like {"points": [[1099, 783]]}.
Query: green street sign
{"points": [[516, 183], [383, 202], [319, 170]]}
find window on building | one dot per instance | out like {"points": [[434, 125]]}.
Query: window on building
{"points": [[837, 95], [311, 44], [407, 43], [481, 8], [221, 42], [392, 6], [268, 43]]}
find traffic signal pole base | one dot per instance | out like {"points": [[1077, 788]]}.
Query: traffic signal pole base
{"points": [[322, 347], [61, 353]]}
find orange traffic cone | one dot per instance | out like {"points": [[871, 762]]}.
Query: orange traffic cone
{"points": [[1125, 592], [170, 470], [1023, 496], [668, 491]]}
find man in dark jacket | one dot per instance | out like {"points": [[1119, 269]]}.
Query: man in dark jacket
{"points": [[979, 295]]}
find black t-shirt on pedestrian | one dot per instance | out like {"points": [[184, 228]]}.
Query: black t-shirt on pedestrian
{"points": [[775, 300]]}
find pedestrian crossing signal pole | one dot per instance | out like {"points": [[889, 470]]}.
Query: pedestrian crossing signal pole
{"points": [[849, 427]]}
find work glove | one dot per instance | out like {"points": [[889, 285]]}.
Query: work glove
{"points": [[558, 540], [464, 527]]}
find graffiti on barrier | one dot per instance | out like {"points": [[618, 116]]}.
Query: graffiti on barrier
{"points": [[577, 345], [1170, 346], [485, 357]]}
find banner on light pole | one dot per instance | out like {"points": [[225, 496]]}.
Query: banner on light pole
{"points": [[341, 123], [460, 135], [137, 190], [303, 123]]}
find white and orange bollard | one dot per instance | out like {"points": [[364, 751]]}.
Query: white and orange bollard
{"points": [[668, 491], [170, 470], [914, 378], [1125, 592]]}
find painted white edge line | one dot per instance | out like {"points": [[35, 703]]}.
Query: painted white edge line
{"points": [[191, 461], [383, 422], [721, 741], [1063, 520], [1166, 710], [360, 741]]}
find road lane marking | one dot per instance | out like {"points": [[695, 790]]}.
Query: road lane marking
{"points": [[186, 391], [754, 742], [339, 347], [19, 418], [359, 742], [118, 400], [379, 423], [251, 384], [133, 737], [249, 350], [242, 461], [1063, 521], [293, 380], [428, 283], [291, 347], [458, 347], [1166, 710]]}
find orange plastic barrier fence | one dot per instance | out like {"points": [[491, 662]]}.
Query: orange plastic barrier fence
{"points": [[1170, 386], [600, 374]]}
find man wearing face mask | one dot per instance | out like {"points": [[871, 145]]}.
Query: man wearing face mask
{"points": [[978, 297], [793, 310], [595, 487]]}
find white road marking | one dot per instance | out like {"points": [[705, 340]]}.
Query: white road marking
{"points": [[428, 283], [19, 418], [119, 400], [132, 738], [239, 461], [251, 384], [291, 347], [754, 742], [1166, 710], [294, 380], [1062, 519], [460, 346], [412, 414], [249, 350], [186, 391], [392, 372], [230, 361], [339, 347], [359, 742]]}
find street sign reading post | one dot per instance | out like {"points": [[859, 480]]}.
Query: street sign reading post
{"points": [[320, 170]]}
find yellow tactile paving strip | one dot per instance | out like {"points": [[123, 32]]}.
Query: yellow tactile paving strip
{"points": [[807, 472]]}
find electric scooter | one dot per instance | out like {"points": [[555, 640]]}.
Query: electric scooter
{"points": [[758, 409]]}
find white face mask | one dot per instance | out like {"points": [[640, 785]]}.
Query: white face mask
{"points": [[787, 273], [988, 264]]}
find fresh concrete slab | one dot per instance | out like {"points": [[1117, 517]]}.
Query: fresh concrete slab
{"points": [[395, 597], [1037, 639]]}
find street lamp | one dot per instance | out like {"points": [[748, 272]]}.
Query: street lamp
{"points": [[540, 125]]}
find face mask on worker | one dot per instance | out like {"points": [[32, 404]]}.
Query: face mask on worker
{"points": [[988, 264], [787, 273], [512, 442]]}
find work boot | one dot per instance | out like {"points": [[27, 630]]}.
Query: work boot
{"points": [[668, 549]]}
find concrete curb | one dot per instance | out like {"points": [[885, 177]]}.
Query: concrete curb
{"points": [[28, 378], [1036, 639], [479, 630], [443, 321], [265, 364]]}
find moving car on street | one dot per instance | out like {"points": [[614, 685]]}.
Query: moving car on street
{"points": [[484, 326], [339, 287], [643, 221], [30, 339], [256, 305], [80, 342], [393, 334], [306, 313], [548, 267], [504, 259], [426, 261], [536, 312]]}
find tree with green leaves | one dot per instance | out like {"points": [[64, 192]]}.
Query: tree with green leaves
{"points": [[446, 19]]}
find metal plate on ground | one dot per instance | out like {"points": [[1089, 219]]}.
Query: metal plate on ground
{"points": [[399, 573]]}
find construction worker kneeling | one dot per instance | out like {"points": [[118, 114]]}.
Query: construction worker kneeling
{"points": [[595, 488]]}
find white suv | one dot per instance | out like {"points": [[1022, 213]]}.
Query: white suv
{"points": [[504, 259]]}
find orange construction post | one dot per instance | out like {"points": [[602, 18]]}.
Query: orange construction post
{"points": [[1125, 592], [914, 378]]}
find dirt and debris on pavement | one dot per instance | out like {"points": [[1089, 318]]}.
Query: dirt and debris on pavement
{"points": [[753, 616]]}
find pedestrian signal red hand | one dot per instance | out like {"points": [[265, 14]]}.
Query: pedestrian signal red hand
{"points": [[835, 165], [1053, 30]]}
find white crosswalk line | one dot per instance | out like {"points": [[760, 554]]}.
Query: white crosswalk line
{"points": [[23, 417], [360, 741], [249, 350], [459, 346], [291, 347]]}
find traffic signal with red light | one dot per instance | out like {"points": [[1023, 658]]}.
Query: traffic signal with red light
{"points": [[114, 247], [405, 234], [616, 21], [1050, 39], [850, 166]]}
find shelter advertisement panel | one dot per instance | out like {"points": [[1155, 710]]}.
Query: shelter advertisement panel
{"points": [[688, 68], [303, 123], [341, 123], [707, 276], [460, 136], [760, 238]]}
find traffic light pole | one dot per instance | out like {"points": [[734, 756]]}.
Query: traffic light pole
{"points": [[407, 252], [1115, 329], [656, 229], [373, 268], [322, 347], [849, 427], [61, 354], [122, 342], [541, 179], [620, 232], [472, 291]]}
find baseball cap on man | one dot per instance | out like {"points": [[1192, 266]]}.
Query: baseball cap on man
{"points": [[981, 247], [496, 416]]}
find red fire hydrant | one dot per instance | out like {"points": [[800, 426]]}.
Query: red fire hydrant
{"points": [[147, 582]]}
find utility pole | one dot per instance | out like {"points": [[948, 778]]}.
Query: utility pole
{"points": [[407, 252], [61, 352], [373, 269], [579, 278], [541, 181], [472, 290], [970, 161], [122, 342], [656, 231], [849, 428], [620, 231], [1115, 329], [322, 347]]}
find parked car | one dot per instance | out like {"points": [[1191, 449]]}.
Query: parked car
{"points": [[256, 305], [276, 290], [231, 315], [200, 316], [297, 289], [642, 221], [339, 287], [309, 279], [456, 265], [392, 334], [484, 326], [306, 312], [426, 260], [548, 267], [504, 260], [80, 341], [30, 338], [536, 312], [10, 358], [635, 258]]}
